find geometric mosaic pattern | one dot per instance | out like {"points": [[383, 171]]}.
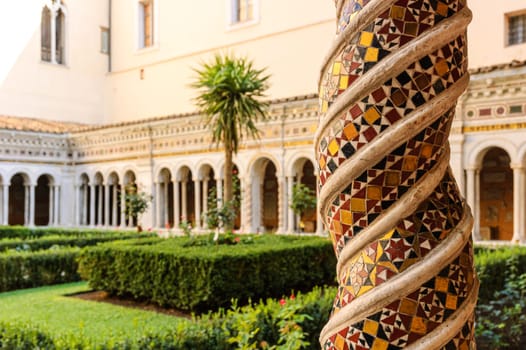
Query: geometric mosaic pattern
{"points": [[377, 187], [404, 321], [395, 99], [405, 245], [393, 29]]}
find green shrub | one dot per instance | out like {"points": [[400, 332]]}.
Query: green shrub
{"points": [[200, 277], [20, 270], [48, 241], [289, 324], [23, 232], [501, 322], [492, 269]]}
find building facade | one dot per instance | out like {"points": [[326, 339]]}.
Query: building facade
{"points": [[94, 97]]}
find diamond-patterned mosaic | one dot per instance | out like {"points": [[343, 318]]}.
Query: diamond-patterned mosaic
{"points": [[391, 102], [406, 320], [394, 28]]}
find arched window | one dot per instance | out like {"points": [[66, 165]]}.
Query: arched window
{"points": [[146, 23], [53, 32]]}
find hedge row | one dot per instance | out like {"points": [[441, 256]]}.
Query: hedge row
{"points": [[287, 323], [197, 278], [46, 242], [20, 270], [492, 269], [23, 232]]}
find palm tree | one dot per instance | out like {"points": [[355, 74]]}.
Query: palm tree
{"points": [[229, 97]]}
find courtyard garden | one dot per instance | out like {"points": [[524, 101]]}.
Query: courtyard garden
{"points": [[235, 292]]}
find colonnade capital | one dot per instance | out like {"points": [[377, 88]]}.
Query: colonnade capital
{"points": [[517, 166]]}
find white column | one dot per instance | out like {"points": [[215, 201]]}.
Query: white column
{"points": [[77, 205], [282, 204], [290, 220], [472, 188], [26, 205], [114, 207], [92, 206], [177, 209], [158, 201], [31, 205], [166, 206], [123, 206], [106, 205], [205, 195], [197, 193], [99, 206], [184, 200], [56, 202], [84, 210], [51, 207], [518, 209], [53, 42], [5, 206]]}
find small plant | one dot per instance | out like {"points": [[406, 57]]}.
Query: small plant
{"points": [[136, 203], [303, 199], [502, 321], [220, 217]]}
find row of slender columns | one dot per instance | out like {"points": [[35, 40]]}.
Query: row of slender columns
{"points": [[91, 207], [519, 201], [30, 205]]}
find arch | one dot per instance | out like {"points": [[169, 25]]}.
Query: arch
{"points": [[304, 173], [53, 32], [99, 198], [114, 200], [18, 199], [186, 200], [496, 195], [476, 155], [521, 155], [43, 200], [265, 195], [299, 156], [165, 192], [260, 156], [128, 177]]}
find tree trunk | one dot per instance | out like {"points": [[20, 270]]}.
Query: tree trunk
{"points": [[228, 195], [400, 229]]}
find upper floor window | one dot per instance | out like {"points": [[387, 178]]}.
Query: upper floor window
{"points": [[146, 23], [517, 29], [242, 11], [105, 40], [53, 32]]}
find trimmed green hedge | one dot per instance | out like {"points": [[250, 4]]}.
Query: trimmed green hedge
{"points": [[492, 269], [20, 270], [23, 232], [199, 277], [49, 259], [46, 242], [285, 323]]}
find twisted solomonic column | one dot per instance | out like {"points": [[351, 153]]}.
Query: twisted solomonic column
{"points": [[401, 231]]}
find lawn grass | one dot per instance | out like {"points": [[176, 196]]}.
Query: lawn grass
{"points": [[50, 310]]}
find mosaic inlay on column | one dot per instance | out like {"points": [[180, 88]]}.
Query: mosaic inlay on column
{"points": [[400, 228]]}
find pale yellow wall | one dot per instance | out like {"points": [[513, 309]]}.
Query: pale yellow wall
{"points": [[487, 33], [291, 42], [29, 87]]}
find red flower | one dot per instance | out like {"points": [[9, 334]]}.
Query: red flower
{"points": [[282, 302], [292, 297]]}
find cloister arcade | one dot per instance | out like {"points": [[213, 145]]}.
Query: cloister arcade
{"points": [[182, 194], [30, 200], [496, 190]]}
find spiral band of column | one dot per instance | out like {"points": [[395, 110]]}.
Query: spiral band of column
{"points": [[400, 228]]}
